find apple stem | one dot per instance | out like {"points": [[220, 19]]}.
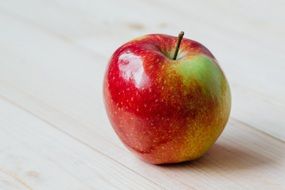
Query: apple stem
{"points": [[180, 37]]}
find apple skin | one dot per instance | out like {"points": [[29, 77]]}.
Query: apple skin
{"points": [[165, 110]]}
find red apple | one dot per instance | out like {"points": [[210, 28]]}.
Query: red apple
{"points": [[166, 108]]}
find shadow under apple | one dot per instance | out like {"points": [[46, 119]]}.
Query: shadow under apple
{"points": [[226, 158]]}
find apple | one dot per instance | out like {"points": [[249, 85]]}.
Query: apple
{"points": [[166, 97]]}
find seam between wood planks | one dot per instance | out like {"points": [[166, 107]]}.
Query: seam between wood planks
{"points": [[76, 139], [256, 129]]}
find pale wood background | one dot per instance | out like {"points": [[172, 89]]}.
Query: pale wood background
{"points": [[54, 133]]}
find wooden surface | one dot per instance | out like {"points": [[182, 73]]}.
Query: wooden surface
{"points": [[54, 133]]}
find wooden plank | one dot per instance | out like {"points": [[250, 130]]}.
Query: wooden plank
{"points": [[243, 158], [35, 155]]}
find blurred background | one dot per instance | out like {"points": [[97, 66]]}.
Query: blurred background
{"points": [[57, 50]]}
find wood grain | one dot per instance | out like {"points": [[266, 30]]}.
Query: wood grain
{"points": [[54, 133], [241, 157], [38, 156]]}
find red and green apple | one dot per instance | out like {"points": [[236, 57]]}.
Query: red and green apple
{"points": [[167, 98]]}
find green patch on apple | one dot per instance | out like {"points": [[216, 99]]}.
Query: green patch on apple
{"points": [[202, 69]]}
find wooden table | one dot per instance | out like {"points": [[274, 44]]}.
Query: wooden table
{"points": [[54, 133]]}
